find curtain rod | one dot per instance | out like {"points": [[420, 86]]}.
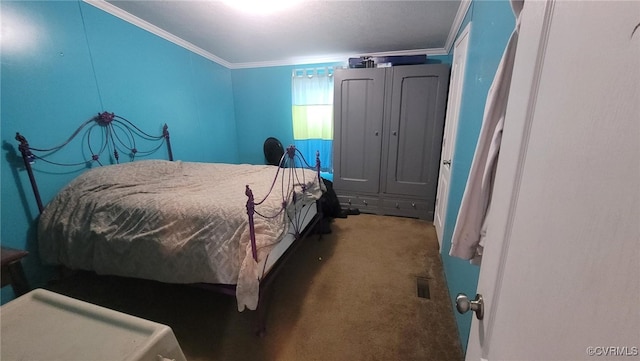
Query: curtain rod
{"points": [[311, 72]]}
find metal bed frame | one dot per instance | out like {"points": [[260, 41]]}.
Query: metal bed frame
{"points": [[119, 135]]}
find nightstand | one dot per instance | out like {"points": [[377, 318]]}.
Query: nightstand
{"points": [[12, 272]]}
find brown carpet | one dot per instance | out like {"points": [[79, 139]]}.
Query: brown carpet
{"points": [[351, 295]]}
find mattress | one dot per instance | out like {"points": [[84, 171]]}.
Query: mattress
{"points": [[174, 222]]}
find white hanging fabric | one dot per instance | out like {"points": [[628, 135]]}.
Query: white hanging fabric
{"points": [[468, 238], [312, 86]]}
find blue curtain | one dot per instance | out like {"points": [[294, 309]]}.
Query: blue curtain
{"points": [[312, 109]]}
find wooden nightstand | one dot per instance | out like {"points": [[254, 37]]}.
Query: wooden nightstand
{"points": [[12, 272]]}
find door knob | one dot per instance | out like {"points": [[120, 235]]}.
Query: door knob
{"points": [[463, 305], [446, 162]]}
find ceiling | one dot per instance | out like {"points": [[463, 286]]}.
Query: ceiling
{"points": [[308, 32]]}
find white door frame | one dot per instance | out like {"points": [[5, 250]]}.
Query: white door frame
{"points": [[454, 102]]}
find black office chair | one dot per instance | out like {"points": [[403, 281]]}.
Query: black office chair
{"points": [[273, 151]]}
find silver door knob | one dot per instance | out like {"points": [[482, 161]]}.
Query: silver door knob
{"points": [[463, 305]]}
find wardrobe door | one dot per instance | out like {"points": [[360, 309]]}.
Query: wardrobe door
{"points": [[358, 113], [415, 129]]}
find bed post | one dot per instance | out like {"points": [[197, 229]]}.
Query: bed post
{"points": [[252, 232], [260, 308], [165, 134], [320, 181], [28, 158], [318, 165]]}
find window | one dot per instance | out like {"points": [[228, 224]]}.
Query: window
{"points": [[312, 109]]}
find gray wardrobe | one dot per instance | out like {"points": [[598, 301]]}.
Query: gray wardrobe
{"points": [[388, 125]]}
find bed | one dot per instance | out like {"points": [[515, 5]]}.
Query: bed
{"points": [[227, 227]]}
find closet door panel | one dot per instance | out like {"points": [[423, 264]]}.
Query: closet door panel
{"points": [[358, 115], [416, 127]]}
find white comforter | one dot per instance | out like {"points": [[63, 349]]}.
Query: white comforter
{"points": [[175, 222]]}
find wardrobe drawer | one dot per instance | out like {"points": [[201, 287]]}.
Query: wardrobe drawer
{"points": [[408, 208], [363, 203]]}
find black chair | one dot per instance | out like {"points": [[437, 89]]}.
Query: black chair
{"points": [[273, 151]]}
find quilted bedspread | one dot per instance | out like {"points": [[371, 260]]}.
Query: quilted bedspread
{"points": [[175, 222]]}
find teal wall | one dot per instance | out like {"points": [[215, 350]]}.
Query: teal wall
{"points": [[263, 107], [491, 25], [63, 62], [262, 99]]}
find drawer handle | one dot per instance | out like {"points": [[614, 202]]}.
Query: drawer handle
{"points": [[413, 205], [397, 205], [365, 203], [349, 201]]}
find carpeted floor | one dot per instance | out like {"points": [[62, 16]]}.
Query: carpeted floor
{"points": [[351, 295]]}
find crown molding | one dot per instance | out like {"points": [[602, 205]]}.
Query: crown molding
{"points": [[430, 51], [335, 58], [134, 20], [457, 24]]}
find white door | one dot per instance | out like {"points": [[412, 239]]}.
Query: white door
{"points": [[560, 275], [450, 129]]}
